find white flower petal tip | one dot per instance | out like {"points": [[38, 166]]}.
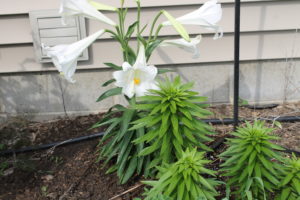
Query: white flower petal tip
{"points": [[183, 44], [207, 16], [65, 56], [70, 8], [136, 79]]}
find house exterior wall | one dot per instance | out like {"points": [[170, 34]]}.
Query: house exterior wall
{"points": [[269, 57]]}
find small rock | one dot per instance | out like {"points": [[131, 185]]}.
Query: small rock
{"points": [[52, 195], [47, 177], [9, 171]]}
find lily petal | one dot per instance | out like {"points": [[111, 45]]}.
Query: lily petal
{"points": [[142, 89], [126, 66], [185, 45], [148, 73], [137, 79], [206, 16], [69, 8], [65, 56], [128, 90], [141, 58]]}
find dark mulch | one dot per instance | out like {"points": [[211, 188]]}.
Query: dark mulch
{"points": [[70, 172]]}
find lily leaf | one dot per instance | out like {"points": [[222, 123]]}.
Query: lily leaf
{"points": [[113, 66], [108, 82], [109, 93]]}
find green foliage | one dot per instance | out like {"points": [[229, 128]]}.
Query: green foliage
{"points": [[117, 144], [157, 197], [2, 147], [250, 162], [3, 166], [170, 117], [109, 93], [243, 102], [290, 181], [184, 180]]}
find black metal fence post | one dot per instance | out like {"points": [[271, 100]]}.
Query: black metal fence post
{"points": [[236, 63]]}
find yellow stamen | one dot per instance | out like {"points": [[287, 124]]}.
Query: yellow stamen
{"points": [[136, 81]]}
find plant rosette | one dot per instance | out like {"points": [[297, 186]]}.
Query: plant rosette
{"points": [[171, 116], [252, 162]]}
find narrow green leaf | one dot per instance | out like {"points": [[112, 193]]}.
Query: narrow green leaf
{"points": [[131, 29], [151, 47], [150, 149], [285, 194], [108, 82], [130, 170], [162, 71], [287, 179], [126, 118], [109, 93], [113, 66]]}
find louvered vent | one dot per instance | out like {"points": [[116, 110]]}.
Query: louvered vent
{"points": [[48, 29]]}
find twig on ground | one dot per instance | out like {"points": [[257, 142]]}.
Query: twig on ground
{"points": [[127, 191]]}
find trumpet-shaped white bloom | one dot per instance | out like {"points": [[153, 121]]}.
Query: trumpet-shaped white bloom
{"points": [[185, 45], [70, 8], [136, 79], [206, 16], [65, 56]]}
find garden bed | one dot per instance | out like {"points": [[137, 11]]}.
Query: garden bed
{"points": [[70, 172]]}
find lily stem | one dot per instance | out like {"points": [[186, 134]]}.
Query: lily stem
{"points": [[153, 24]]}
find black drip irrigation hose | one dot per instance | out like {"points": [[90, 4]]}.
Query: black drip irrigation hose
{"points": [[52, 145], [225, 121]]}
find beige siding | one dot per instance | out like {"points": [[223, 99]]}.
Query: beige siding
{"points": [[269, 12], [24, 6], [268, 32]]}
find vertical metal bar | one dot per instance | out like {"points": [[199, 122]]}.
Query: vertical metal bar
{"points": [[236, 63]]}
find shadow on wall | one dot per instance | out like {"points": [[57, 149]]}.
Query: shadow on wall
{"points": [[35, 94], [212, 81]]}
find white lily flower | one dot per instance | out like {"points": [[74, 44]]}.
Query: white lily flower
{"points": [[136, 79], [206, 16], [185, 45], [70, 8], [65, 56]]}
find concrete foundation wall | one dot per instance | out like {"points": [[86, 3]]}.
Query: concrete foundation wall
{"points": [[40, 96]]}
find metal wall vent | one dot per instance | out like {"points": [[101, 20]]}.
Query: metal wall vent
{"points": [[47, 28]]}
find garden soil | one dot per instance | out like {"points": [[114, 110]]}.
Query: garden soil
{"points": [[71, 172]]}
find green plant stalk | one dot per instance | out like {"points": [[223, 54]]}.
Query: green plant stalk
{"points": [[120, 30], [157, 31], [153, 25], [138, 20]]}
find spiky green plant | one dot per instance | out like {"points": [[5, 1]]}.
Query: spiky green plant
{"points": [[172, 120], [184, 179], [117, 144], [290, 181], [251, 162], [158, 197]]}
